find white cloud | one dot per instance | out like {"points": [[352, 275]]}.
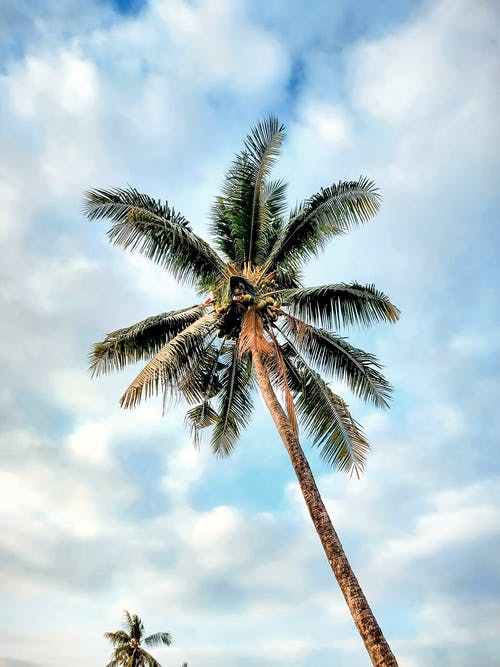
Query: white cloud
{"points": [[14, 216], [65, 82], [457, 517], [432, 83], [54, 284], [325, 124], [426, 67], [185, 466], [225, 48], [458, 627], [90, 443]]}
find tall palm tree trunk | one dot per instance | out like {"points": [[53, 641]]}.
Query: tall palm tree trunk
{"points": [[370, 631]]}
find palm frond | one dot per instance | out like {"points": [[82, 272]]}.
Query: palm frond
{"points": [[141, 340], [235, 403], [168, 366], [121, 656], [274, 198], [128, 623], [263, 146], [117, 661], [339, 305], [240, 212], [288, 275], [147, 659], [273, 206], [117, 638], [326, 418], [331, 211], [334, 355], [231, 211], [201, 381], [137, 628], [145, 225], [199, 417], [159, 638]]}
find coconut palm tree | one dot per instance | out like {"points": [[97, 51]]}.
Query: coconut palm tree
{"points": [[255, 324], [128, 651]]}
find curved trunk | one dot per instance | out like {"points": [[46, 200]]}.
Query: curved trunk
{"points": [[375, 642]]}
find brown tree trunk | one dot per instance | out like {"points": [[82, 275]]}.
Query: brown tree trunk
{"points": [[370, 631]]}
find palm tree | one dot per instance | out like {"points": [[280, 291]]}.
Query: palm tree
{"points": [[127, 642], [256, 324]]}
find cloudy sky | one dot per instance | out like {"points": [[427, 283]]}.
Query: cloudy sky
{"points": [[103, 509]]}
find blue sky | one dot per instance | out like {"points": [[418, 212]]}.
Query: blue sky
{"points": [[104, 509]]}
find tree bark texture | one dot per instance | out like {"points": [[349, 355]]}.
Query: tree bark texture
{"points": [[378, 649]]}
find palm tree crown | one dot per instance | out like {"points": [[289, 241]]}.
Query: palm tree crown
{"points": [[128, 651], [255, 300], [256, 324]]}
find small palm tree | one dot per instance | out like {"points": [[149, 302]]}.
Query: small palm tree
{"points": [[127, 642], [257, 324]]}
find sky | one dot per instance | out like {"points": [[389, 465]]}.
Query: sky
{"points": [[104, 509]]}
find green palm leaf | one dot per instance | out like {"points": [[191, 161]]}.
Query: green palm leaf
{"points": [[334, 355], [230, 211], [199, 417], [234, 401], [273, 205], [128, 622], [246, 204], [274, 199], [332, 211], [158, 639], [339, 305], [117, 638], [147, 659], [168, 367], [140, 341], [145, 225], [201, 381], [263, 147], [121, 656], [117, 661], [327, 420]]}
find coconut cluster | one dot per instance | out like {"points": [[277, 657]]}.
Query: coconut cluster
{"points": [[231, 312]]}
